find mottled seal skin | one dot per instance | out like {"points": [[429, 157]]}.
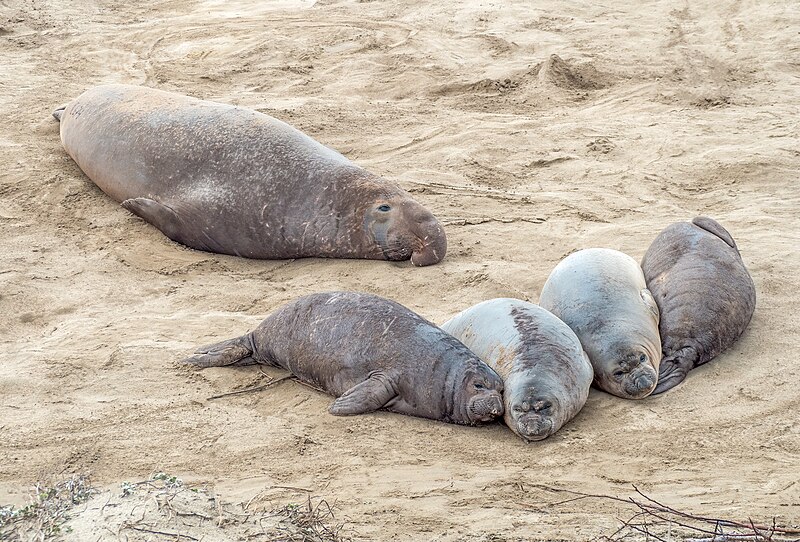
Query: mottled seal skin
{"points": [[371, 353], [232, 180], [601, 294], [546, 374], [704, 293]]}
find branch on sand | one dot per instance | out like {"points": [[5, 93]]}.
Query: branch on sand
{"points": [[656, 521]]}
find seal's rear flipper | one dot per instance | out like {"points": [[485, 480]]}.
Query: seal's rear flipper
{"points": [[236, 351], [712, 226], [368, 396], [58, 112], [674, 368]]}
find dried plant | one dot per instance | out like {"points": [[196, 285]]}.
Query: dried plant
{"points": [[48, 510], [655, 521]]}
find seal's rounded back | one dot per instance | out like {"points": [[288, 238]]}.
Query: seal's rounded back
{"points": [[546, 374], [601, 294], [371, 353], [233, 180], [704, 293]]}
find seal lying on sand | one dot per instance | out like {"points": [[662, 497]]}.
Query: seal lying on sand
{"points": [[601, 294], [234, 181], [371, 353], [704, 293], [546, 374]]}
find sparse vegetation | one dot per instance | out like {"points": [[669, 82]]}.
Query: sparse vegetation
{"points": [[47, 511], [163, 505]]}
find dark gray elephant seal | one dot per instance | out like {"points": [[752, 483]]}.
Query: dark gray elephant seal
{"points": [[601, 294], [704, 293], [371, 353], [234, 181], [546, 374]]}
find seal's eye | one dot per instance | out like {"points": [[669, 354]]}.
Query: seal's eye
{"points": [[542, 406], [479, 386], [385, 208], [643, 358], [619, 373]]}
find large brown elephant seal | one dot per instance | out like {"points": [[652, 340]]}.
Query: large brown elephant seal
{"points": [[371, 353], [235, 181], [601, 294], [704, 293], [546, 374]]}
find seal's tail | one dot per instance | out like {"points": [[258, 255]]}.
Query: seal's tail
{"points": [[58, 112], [238, 351], [715, 228], [674, 368]]}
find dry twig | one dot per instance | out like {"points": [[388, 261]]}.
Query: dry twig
{"points": [[660, 516], [253, 388]]}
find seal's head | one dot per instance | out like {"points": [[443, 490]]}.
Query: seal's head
{"points": [[403, 229], [632, 375], [481, 394], [532, 414]]}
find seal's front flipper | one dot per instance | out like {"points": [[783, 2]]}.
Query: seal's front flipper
{"points": [[674, 368], [159, 215], [714, 227], [238, 351], [368, 396], [59, 112], [647, 297]]}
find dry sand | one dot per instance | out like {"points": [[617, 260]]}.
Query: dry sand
{"points": [[650, 113]]}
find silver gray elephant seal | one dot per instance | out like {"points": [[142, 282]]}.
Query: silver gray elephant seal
{"points": [[602, 295], [371, 353], [704, 293], [231, 180], [546, 374]]}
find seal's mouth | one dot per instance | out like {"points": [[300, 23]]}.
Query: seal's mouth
{"points": [[433, 245], [485, 407], [532, 427], [634, 376], [404, 229], [639, 384]]}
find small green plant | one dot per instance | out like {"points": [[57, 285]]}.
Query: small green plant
{"points": [[127, 488], [169, 481]]}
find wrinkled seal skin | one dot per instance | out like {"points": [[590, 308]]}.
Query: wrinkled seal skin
{"points": [[704, 293], [231, 180], [601, 294], [546, 374], [371, 353]]}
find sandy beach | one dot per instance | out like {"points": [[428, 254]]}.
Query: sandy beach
{"points": [[531, 130]]}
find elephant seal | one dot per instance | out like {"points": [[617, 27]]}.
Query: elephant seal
{"points": [[546, 374], [231, 180], [371, 353], [704, 293], [601, 294]]}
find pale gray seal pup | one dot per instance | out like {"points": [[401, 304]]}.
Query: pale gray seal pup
{"points": [[371, 353], [546, 374], [601, 294], [231, 180], [704, 293]]}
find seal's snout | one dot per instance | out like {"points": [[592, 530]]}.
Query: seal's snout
{"points": [[433, 242], [634, 377], [640, 383], [534, 426], [496, 405], [486, 407]]}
